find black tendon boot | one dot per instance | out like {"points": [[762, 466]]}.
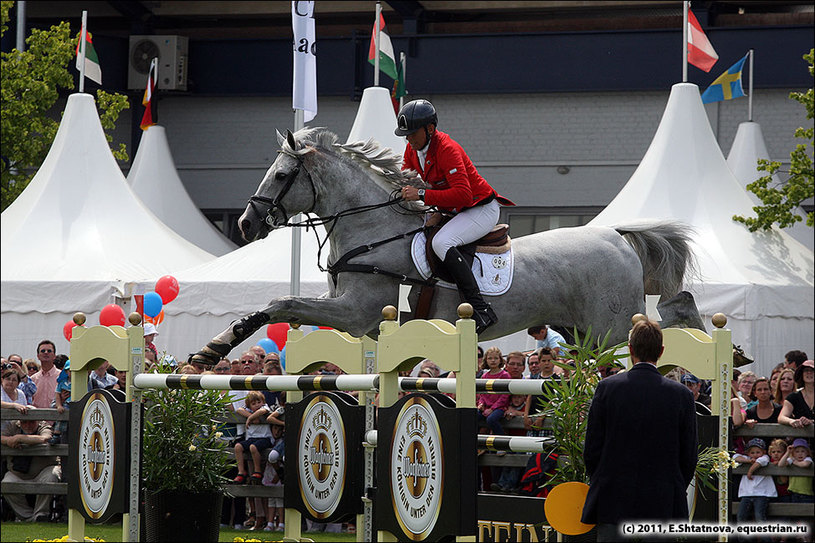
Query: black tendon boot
{"points": [[483, 315]]}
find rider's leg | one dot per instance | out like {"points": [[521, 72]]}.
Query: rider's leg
{"points": [[466, 227]]}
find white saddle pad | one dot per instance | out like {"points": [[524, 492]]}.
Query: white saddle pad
{"points": [[493, 273]]}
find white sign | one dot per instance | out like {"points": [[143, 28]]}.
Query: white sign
{"points": [[96, 455]]}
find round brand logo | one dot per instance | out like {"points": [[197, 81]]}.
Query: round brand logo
{"points": [[322, 459], [96, 455], [416, 468]]}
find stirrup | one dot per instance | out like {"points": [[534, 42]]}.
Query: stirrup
{"points": [[484, 318]]}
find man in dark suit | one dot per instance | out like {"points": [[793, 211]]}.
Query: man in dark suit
{"points": [[641, 443]]}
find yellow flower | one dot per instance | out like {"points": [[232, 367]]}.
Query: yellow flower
{"points": [[192, 447], [218, 435]]}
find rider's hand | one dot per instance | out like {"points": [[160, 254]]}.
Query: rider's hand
{"points": [[411, 194]]}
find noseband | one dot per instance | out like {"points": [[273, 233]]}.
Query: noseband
{"points": [[276, 204]]}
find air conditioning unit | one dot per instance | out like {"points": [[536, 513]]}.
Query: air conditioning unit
{"points": [[172, 61]]}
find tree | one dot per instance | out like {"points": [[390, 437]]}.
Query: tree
{"points": [[781, 200], [31, 82]]}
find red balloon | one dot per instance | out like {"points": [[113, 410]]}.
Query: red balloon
{"points": [[68, 329], [112, 315], [277, 333], [167, 288]]}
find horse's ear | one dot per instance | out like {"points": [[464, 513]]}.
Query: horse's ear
{"points": [[290, 140], [280, 138]]}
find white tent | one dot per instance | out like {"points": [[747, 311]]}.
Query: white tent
{"points": [[748, 146], [376, 119], [213, 294], [762, 282], [154, 179], [77, 237]]}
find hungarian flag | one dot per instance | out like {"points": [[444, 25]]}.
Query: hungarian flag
{"points": [[700, 51], [387, 60], [147, 100], [92, 69]]}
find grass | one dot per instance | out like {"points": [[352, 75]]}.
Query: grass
{"points": [[16, 531]]}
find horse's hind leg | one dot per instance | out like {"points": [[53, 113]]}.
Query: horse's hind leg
{"points": [[234, 335]]}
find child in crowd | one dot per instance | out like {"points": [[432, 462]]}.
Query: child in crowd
{"points": [[799, 454], [62, 401], [273, 476], [776, 450], [755, 491], [491, 407], [258, 437]]}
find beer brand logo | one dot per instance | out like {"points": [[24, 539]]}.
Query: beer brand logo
{"points": [[321, 450], [416, 468], [96, 453]]}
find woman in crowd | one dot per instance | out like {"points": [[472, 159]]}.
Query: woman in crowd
{"points": [[765, 410], [784, 386], [12, 397], [797, 410]]}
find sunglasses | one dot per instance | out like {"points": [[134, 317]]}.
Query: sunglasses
{"points": [[221, 369], [245, 362], [33, 368], [46, 351]]}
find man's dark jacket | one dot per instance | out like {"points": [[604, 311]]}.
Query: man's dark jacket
{"points": [[641, 448]]}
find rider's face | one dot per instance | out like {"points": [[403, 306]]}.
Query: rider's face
{"points": [[418, 139]]}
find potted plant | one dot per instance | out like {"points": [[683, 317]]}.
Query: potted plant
{"points": [[184, 459]]}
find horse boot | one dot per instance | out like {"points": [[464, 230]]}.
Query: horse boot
{"points": [[483, 315], [221, 345]]}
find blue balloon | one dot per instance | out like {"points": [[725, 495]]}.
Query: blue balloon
{"points": [[283, 358], [268, 345], [152, 304]]}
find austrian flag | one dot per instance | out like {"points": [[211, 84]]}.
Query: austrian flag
{"points": [[700, 51]]}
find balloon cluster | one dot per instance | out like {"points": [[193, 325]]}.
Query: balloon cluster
{"points": [[165, 292]]}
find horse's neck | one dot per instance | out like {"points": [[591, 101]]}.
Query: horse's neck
{"points": [[342, 192]]}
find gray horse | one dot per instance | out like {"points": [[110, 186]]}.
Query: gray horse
{"points": [[573, 277]]}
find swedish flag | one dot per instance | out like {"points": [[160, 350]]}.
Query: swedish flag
{"points": [[727, 86]]}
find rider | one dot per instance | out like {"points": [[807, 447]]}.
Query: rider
{"points": [[456, 188]]}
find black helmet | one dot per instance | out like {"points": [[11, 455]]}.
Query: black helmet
{"points": [[413, 116]]}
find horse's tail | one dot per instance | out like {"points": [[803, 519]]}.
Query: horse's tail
{"points": [[664, 250]]}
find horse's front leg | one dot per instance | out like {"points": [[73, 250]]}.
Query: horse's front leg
{"points": [[343, 313]]}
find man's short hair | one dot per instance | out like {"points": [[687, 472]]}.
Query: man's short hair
{"points": [[535, 329], [51, 343], [797, 357], [645, 341], [517, 354]]}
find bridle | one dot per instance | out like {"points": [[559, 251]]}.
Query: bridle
{"points": [[276, 203]]}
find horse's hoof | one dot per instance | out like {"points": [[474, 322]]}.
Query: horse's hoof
{"points": [[210, 355]]}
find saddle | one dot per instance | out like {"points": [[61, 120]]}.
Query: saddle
{"points": [[496, 241]]}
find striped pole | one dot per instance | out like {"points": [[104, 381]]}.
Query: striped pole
{"points": [[307, 383], [256, 382], [520, 444]]}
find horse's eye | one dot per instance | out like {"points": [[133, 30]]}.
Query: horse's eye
{"points": [[280, 176]]}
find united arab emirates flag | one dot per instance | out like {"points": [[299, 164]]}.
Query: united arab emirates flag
{"points": [[92, 69]]}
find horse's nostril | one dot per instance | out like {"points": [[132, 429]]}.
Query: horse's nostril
{"points": [[245, 225]]}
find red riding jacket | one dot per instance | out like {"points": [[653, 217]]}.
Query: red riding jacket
{"points": [[454, 182]]}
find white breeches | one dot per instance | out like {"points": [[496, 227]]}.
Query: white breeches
{"points": [[466, 227]]}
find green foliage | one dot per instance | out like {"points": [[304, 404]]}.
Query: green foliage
{"points": [[31, 84], [781, 201], [182, 448], [569, 400]]}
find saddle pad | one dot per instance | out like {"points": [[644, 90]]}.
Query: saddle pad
{"points": [[493, 272]]}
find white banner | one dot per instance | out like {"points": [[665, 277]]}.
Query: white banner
{"points": [[304, 90]]}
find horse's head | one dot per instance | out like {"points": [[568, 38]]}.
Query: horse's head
{"points": [[286, 189]]}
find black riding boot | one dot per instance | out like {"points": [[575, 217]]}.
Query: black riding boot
{"points": [[483, 315]]}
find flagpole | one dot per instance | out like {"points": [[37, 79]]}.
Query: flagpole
{"points": [[403, 62], [376, 40], [82, 34], [750, 93], [685, 6], [296, 233]]}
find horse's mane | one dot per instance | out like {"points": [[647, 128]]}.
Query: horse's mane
{"points": [[384, 163]]}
